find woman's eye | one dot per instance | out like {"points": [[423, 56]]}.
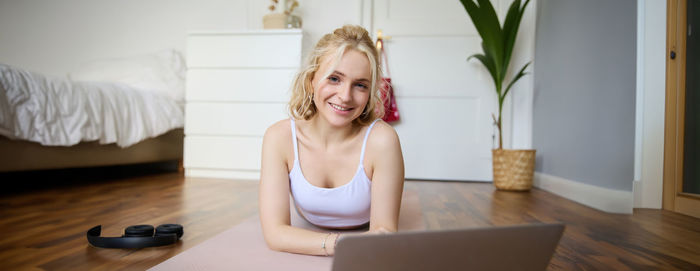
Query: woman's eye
{"points": [[333, 79], [361, 85]]}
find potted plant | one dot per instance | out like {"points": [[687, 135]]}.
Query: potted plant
{"points": [[512, 169]]}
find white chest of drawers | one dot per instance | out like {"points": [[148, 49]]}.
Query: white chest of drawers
{"points": [[237, 86]]}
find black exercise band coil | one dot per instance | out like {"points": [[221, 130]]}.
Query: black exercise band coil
{"points": [[137, 236]]}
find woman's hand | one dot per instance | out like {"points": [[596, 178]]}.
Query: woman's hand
{"points": [[334, 238], [379, 230]]}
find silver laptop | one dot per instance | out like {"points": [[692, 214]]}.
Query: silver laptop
{"points": [[520, 247]]}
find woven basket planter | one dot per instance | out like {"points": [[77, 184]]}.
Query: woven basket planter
{"points": [[513, 170]]}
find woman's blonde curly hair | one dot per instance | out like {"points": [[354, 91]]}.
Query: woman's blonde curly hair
{"points": [[348, 37]]}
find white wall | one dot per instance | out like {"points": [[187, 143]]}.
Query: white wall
{"points": [[55, 37]]}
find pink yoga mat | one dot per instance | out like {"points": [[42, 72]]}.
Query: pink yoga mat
{"points": [[243, 247]]}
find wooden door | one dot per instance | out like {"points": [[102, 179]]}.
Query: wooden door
{"points": [[682, 132]]}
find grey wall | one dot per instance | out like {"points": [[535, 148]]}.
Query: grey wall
{"points": [[584, 100]]}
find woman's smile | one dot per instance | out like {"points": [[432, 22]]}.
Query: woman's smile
{"points": [[340, 109]]}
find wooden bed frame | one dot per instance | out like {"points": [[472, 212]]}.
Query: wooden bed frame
{"points": [[19, 155]]}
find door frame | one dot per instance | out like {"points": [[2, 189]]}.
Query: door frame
{"points": [[673, 197], [650, 104]]}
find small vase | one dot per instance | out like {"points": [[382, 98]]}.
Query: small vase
{"points": [[293, 21]]}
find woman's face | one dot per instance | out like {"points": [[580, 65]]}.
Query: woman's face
{"points": [[342, 96]]}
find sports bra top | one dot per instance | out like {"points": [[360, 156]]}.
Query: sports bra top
{"points": [[343, 206]]}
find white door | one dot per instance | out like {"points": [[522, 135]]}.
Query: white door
{"points": [[445, 101]]}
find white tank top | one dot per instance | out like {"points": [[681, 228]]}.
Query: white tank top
{"points": [[344, 206]]}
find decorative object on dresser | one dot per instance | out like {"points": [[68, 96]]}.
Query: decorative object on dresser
{"points": [[285, 18], [512, 169], [237, 86]]}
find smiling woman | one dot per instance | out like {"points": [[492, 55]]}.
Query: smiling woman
{"points": [[328, 54], [344, 94], [335, 109]]}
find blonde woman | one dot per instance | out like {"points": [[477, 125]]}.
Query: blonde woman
{"points": [[334, 156]]}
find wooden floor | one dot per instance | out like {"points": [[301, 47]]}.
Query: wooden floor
{"points": [[43, 225]]}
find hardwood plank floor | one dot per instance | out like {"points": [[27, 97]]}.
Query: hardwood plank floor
{"points": [[43, 226]]}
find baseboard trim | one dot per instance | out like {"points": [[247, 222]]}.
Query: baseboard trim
{"points": [[604, 199], [223, 174], [637, 192]]}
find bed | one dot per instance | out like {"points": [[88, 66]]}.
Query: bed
{"points": [[107, 112]]}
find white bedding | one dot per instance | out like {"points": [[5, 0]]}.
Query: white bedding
{"points": [[61, 112]]}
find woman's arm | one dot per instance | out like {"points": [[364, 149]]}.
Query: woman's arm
{"points": [[274, 199], [387, 178]]}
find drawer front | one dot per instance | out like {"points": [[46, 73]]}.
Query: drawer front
{"points": [[252, 85], [244, 50], [218, 152], [243, 119]]}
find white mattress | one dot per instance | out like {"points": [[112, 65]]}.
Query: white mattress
{"points": [[61, 112]]}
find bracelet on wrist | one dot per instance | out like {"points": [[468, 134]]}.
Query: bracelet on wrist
{"points": [[323, 245]]}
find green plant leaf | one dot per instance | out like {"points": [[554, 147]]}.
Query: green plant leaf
{"points": [[491, 31], [510, 30], [520, 74], [488, 62], [496, 73], [487, 25]]}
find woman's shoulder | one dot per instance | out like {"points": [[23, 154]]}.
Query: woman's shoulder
{"points": [[280, 125], [279, 130], [382, 136], [383, 147]]}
